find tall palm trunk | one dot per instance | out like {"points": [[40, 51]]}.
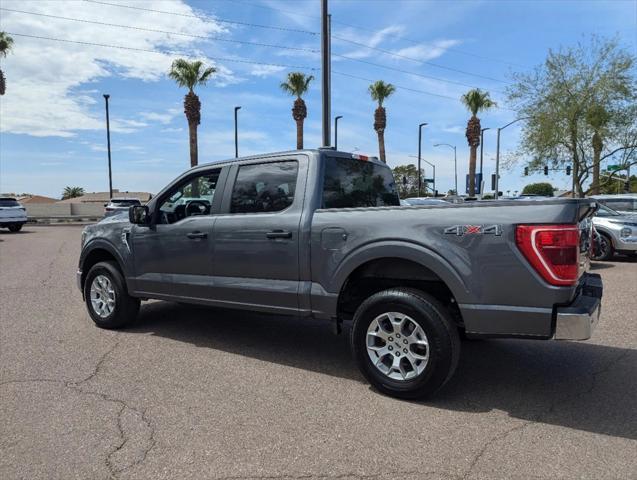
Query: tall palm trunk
{"points": [[3, 83], [380, 122], [299, 112], [192, 109], [597, 153], [473, 137]]}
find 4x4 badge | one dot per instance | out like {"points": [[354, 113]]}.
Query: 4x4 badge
{"points": [[461, 230]]}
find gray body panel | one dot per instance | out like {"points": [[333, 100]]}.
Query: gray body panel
{"points": [[497, 291]]}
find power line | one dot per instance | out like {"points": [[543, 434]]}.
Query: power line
{"points": [[424, 62], [407, 71], [167, 52], [285, 47], [216, 20], [409, 89], [375, 30]]}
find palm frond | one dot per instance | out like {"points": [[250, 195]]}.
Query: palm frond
{"points": [[296, 84], [477, 100], [6, 43], [380, 91], [188, 74]]}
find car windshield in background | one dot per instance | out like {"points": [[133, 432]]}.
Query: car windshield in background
{"points": [[604, 211], [628, 204], [9, 202], [125, 203], [352, 183]]}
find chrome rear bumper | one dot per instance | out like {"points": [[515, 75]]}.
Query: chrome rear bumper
{"points": [[578, 320]]}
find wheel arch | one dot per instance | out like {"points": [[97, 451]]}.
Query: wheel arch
{"points": [[99, 251]]}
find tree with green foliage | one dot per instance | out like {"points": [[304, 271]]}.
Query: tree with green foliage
{"points": [[617, 184], [380, 91], [580, 110], [191, 74], [72, 192], [406, 179], [476, 101], [297, 84], [542, 188], [6, 44]]}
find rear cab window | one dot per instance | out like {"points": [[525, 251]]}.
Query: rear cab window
{"points": [[355, 183]]}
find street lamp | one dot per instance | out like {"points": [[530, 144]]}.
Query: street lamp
{"points": [[455, 160], [434, 170], [108, 140], [419, 157], [336, 131], [497, 156], [236, 133]]}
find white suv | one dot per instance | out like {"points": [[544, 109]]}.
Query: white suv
{"points": [[12, 214]]}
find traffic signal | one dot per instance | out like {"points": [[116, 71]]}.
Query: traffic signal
{"points": [[526, 171], [568, 170], [493, 181], [546, 170]]}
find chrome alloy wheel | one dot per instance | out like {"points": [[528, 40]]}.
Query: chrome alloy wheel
{"points": [[397, 346], [102, 296]]}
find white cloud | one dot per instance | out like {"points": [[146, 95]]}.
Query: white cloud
{"points": [[46, 79], [375, 40], [427, 51], [161, 117], [263, 71]]}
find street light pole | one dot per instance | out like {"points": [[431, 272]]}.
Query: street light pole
{"points": [[482, 149], [432, 166], [455, 161], [336, 131], [236, 133], [108, 141], [497, 156], [420, 157]]}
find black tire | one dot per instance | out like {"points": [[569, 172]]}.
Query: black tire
{"points": [[438, 326], [15, 228], [604, 250], [126, 307]]}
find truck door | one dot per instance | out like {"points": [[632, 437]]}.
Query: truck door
{"points": [[256, 236]]}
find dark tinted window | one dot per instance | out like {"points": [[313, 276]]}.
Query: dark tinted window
{"points": [[625, 204], [264, 187], [357, 183], [8, 202], [125, 203]]}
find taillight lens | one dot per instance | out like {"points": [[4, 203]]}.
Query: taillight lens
{"points": [[553, 250]]}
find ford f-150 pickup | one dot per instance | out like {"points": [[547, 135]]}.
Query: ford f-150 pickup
{"points": [[321, 233]]}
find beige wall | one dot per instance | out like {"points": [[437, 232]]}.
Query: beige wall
{"points": [[64, 209]]}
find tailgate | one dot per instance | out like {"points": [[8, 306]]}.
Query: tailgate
{"points": [[12, 212]]}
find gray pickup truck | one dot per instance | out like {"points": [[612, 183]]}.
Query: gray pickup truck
{"points": [[321, 233]]}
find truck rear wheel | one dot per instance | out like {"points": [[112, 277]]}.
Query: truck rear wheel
{"points": [[405, 343], [107, 300]]}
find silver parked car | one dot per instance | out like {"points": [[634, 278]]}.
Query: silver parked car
{"points": [[117, 205], [622, 203], [423, 201], [12, 214], [617, 233]]}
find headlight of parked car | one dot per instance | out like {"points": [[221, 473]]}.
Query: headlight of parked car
{"points": [[626, 232]]}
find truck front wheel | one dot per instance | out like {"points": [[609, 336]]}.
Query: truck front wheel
{"points": [[107, 300], [405, 342]]}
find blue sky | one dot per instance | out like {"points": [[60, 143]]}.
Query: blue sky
{"points": [[52, 117]]}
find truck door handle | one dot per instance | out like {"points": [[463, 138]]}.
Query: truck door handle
{"points": [[194, 235], [279, 234]]}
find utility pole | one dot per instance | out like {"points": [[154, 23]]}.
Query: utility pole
{"points": [[325, 73], [336, 131], [108, 140], [236, 133], [420, 157]]}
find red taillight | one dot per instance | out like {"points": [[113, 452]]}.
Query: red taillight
{"points": [[553, 250]]}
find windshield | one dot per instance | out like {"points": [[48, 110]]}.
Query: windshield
{"points": [[604, 211], [125, 203]]}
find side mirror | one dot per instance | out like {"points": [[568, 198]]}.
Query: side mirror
{"points": [[139, 215]]}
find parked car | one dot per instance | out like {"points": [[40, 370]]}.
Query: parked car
{"points": [[118, 205], [12, 214], [423, 201], [617, 233], [623, 203], [320, 233]]}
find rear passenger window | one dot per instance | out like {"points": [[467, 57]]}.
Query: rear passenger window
{"points": [[264, 187], [352, 183]]}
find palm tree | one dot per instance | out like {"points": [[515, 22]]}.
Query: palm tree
{"points": [[296, 85], [72, 192], [6, 43], [191, 74], [597, 117], [476, 101], [379, 91]]}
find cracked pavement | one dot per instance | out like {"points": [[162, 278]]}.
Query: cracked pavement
{"points": [[197, 393]]}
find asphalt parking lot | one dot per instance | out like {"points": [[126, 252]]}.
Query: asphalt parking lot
{"points": [[213, 394]]}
